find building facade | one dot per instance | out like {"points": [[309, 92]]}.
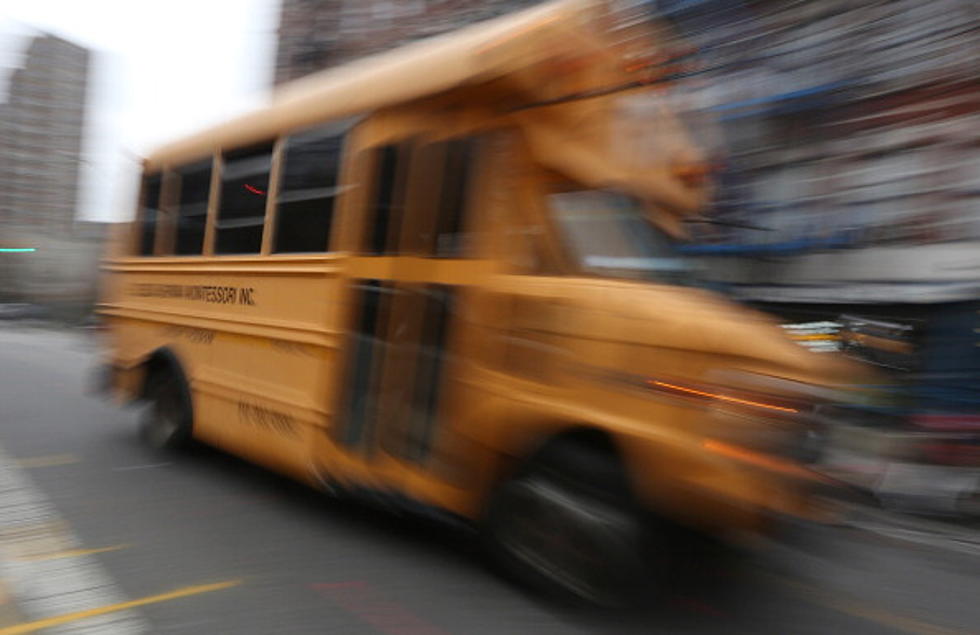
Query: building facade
{"points": [[317, 34], [850, 191], [852, 148]]}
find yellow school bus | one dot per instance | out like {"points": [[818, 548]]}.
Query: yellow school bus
{"points": [[444, 276]]}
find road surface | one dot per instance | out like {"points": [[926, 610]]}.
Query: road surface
{"points": [[100, 535]]}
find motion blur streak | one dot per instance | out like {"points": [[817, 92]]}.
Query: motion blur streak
{"points": [[633, 298], [721, 397], [766, 461]]}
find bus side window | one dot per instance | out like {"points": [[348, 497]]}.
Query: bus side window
{"points": [[150, 200], [447, 239], [387, 200], [307, 191], [192, 207], [241, 210]]}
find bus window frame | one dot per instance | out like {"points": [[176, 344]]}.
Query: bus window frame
{"points": [[531, 184], [166, 225], [165, 229], [175, 204], [346, 181], [214, 200], [272, 200]]}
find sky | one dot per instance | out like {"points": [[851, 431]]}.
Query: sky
{"points": [[160, 70]]}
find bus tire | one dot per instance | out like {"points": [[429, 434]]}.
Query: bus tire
{"points": [[567, 535], [167, 421]]}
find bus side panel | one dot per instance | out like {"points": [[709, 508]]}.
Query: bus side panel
{"points": [[255, 337], [275, 435], [266, 392]]}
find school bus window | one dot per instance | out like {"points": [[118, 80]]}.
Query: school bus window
{"points": [[606, 233], [387, 199], [192, 208], [457, 172], [307, 191], [241, 211], [150, 200]]}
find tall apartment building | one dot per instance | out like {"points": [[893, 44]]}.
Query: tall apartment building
{"points": [[317, 34], [41, 130], [41, 127]]}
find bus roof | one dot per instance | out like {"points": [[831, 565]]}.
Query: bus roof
{"points": [[477, 53]]}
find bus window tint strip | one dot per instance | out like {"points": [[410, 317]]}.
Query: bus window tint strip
{"points": [[192, 210], [151, 208], [241, 213], [307, 190]]}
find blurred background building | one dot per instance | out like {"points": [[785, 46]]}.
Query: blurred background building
{"points": [[850, 179], [42, 123], [317, 34], [851, 147]]}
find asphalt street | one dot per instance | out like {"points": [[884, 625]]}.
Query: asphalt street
{"points": [[100, 535]]}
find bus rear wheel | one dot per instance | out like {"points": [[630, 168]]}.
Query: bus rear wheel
{"points": [[166, 423], [566, 541]]}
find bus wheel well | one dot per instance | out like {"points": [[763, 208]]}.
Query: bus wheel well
{"points": [[167, 423], [162, 362], [572, 491], [587, 453]]}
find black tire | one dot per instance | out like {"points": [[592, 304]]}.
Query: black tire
{"points": [[167, 421], [570, 533]]}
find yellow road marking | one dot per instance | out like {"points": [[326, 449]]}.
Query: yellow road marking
{"points": [[881, 616], [71, 553], [871, 613], [30, 627], [49, 460]]}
